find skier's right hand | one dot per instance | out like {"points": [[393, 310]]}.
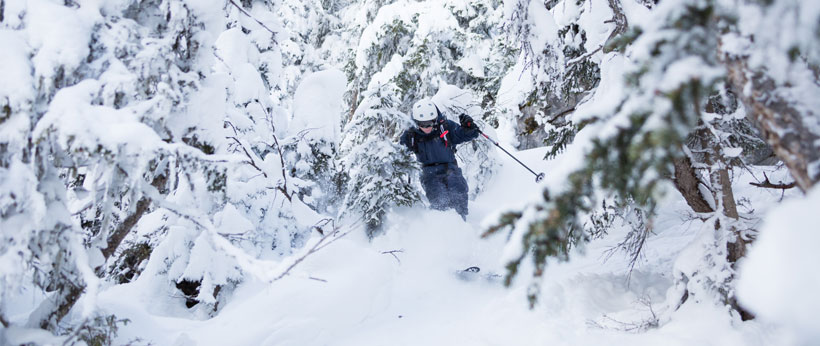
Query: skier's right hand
{"points": [[467, 122]]}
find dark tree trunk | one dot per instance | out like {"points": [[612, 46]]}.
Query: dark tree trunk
{"points": [[116, 238], [71, 292], [687, 181]]}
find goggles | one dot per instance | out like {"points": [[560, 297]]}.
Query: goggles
{"points": [[428, 123]]}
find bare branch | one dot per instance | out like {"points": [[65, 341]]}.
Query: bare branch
{"points": [[769, 185], [284, 187], [251, 161], [326, 240], [393, 253], [256, 20]]}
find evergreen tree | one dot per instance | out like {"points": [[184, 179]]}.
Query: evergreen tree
{"points": [[147, 116], [408, 52], [558, 67], [377, 167], [672, 120]]}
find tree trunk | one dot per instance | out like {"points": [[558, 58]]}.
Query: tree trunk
{"points": [[778, 120], [621, 24], [687, 181], [65, 299], [116, 238]]}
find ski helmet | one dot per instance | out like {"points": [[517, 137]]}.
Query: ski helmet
{"points": [[425, 110]]}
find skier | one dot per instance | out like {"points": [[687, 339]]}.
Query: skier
{"points": [[434, 141]]}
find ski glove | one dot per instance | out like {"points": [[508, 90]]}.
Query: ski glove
{"points": [[467, 122]]}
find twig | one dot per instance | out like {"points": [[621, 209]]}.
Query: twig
{"points": [[252, 162], [256, 20], [321, 244], [284, 187], [393, 253]]}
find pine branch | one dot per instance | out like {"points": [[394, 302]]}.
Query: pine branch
{"points": [[71, 293]]}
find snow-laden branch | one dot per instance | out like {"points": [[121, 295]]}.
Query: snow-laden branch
{"points": [[273, 38]]}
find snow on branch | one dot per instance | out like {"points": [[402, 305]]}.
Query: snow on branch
{"points": [[256, 20], [326, 239]]}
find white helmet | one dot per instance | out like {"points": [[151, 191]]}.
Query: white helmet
{"points": [[424, 110]]}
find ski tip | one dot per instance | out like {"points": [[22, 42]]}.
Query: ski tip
{"points": [[472, 270]]}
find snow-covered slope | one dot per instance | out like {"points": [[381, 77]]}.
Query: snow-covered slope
{"points": [[402, 289]]}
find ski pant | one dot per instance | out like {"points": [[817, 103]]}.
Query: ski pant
{"points": [[445, 187]]}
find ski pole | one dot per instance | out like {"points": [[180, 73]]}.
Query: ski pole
{"points": [[538, 176]]}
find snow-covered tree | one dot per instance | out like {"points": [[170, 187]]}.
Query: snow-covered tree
{"points": [[312, 152], [139, 136], [558, 66], [100, 133], [414, 50], [662, 115], [377, 168]]}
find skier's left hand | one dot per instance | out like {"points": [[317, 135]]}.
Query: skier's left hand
{"points": [[467, 122]]}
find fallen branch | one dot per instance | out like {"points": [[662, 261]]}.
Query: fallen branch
{"points": [[769, 185]]}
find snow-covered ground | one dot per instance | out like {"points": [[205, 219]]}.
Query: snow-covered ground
{"points": [[402, 289]]}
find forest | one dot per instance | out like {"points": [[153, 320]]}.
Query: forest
{"points": [[201, 172]]}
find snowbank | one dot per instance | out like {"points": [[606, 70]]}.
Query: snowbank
{"points": [[779, 278]]}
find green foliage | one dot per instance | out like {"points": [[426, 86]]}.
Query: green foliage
{"points": [[581, 75], [734, 131], [558, 139], [127, 267], [376, 168], [203, 146], [99, 331]]}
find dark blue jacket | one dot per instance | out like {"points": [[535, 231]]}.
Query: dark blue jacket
{"points": [[434, 147]]}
